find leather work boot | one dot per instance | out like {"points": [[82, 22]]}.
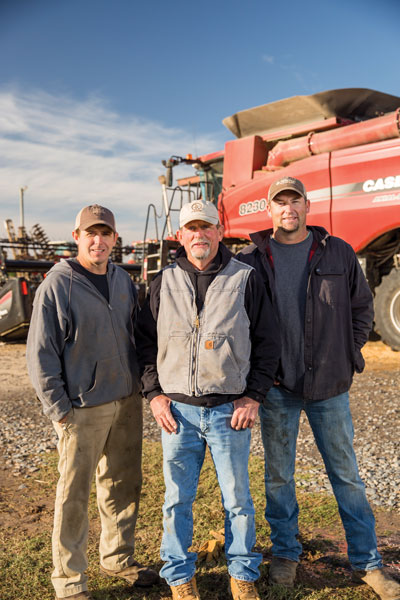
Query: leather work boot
{"points": [[244, 590], [136, 574], [79, 596], [185, 591], [282, 571], [381, 582]]}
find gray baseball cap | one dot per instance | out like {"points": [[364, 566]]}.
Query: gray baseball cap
{"points": [[198, 211], [94, 215], [286, 183]]}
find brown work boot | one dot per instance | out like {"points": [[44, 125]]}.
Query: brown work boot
{"points": [[78, 596], [282, 571], [135, 574], [185, 591], [243, 590], [381, 582]]}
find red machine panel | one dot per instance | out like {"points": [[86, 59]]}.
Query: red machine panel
{"points": [[366, 192], [244, 207]]}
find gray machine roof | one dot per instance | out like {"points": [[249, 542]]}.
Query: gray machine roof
{"points": [[350, 103]]}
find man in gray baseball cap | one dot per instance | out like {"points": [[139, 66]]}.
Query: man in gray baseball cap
{"points": [[324, 308], [82, 363], [207, 342], [287, 184]]}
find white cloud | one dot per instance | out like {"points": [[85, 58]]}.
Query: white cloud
{"points": [[268, 59], [72, 152]]}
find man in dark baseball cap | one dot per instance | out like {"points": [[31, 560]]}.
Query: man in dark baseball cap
{"points": [[82, 361]]}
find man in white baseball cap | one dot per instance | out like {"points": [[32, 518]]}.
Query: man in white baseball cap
{"points": [[208, 347], [198, 211]]}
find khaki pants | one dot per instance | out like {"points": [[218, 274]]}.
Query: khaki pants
{"points": [[105, 439]]}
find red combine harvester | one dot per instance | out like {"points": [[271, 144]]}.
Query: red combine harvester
{"points": [[344, 145]]}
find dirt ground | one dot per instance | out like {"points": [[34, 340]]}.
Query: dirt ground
{"points": [[26, 505], [379, 357]]}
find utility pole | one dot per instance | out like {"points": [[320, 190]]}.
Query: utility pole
{"points": [[21, 205]]}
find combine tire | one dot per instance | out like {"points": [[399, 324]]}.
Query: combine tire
{"points": [[387, 309]]}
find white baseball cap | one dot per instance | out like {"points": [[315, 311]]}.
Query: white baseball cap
{"points": [[198, 211]]}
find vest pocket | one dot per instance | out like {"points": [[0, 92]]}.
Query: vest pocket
{"points": [[217, 369], [173, 363]]}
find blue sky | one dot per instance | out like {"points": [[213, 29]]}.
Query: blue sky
{"points": [[94, 93]]}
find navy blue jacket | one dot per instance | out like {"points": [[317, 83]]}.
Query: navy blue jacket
{"points": [[339, 311]]}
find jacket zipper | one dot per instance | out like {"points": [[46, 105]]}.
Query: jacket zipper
{"points": [[111, 285]]}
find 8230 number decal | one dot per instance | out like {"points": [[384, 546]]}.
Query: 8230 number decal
{"points": [[249, 208]]}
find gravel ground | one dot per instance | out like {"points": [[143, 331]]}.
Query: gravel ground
{"points": [[26, 435]]}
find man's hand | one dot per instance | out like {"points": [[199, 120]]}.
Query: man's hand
{"points": [[162, 413], [245, 413]]}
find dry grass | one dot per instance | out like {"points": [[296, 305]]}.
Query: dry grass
{"points": [[25, 563]]}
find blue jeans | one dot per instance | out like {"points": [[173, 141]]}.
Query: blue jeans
{"points": [[332, 426], [184, 453]]}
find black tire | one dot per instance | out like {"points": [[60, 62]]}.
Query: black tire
{"points": [[387, 309]]}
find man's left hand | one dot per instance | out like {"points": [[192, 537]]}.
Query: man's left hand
{"points": [[245, 413]]}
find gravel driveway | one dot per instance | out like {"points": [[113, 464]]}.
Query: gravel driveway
{"points": [[26, 435]]}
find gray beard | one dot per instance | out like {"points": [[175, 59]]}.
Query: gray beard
{"points": [[200, 254]]}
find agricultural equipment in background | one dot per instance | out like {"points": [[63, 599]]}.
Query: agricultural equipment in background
{"points": [[24, 261], [344, 145]]}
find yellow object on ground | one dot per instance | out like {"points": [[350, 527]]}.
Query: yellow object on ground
{"points": [[211, 550]]}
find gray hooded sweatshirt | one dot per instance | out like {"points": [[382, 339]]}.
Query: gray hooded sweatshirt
{"points": [[80, 348]]}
